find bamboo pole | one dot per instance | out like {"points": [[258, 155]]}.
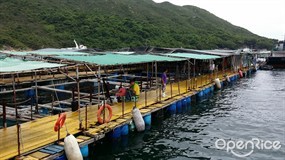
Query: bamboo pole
{"points": [[4, 114], [37, 96], [156, 78], [99, 84], [16, 110], [170, 87], [78, 97]]}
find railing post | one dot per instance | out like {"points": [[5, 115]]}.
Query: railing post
{"points": [[4, 114], [123, 106], [170, 88]]}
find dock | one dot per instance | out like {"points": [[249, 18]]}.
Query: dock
{"points": [[39, 133]]}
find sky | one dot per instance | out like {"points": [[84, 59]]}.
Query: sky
{"points": [[262, 17]]}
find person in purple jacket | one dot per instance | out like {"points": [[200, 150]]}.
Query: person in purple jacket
{"points": [[164, 82]]}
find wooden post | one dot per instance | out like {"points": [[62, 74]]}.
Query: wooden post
{"points": [[99, 84], [52, 102], [4, 114], [31, 108], [189, 70], [91, 95], [147, 80], [58, 132], [145, 98], [179, 87], [156, 79], [18, 138], [37, 96], [123, 106], [170, 87], [86, 117], [78, 97]]}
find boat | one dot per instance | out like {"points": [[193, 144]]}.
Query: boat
{"points": [[277, 59]]}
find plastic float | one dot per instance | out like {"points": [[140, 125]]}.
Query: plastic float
{"points": [[228, 78], [71, 148], [172, 108], [138, 119], [179, 106], [125, 130], [84, 151], [218, 83]]}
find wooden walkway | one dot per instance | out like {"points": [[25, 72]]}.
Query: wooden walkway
{"points": [[38, 133]]}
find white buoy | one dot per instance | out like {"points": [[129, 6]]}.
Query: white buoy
{"points": [[228, 78], [71, 148], [138, 119], [218, 83]]}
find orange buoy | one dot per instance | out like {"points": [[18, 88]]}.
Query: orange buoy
{"points": [[100, 120], [60, 121]]}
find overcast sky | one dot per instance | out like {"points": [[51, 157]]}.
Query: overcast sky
{"points": [[263, 17]]}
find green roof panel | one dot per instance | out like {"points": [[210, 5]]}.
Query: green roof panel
{"points": [[18, 65], [119, 59], [193, 56]]}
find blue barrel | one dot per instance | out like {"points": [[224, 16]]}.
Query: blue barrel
{"points": [[172, 108], [30, 93], [84, 151], [62, 157], [116, 134], [125, 130], [147, 120], [188, 100], [200, 94], [179, 106], [60, 94], [212, 88], [184, 103]]}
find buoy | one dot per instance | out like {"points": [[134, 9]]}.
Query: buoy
{"points": [[218, 83], [212, 88], [100, 120], [60, 121], [71, 148], [138, 119], [228, 78]]}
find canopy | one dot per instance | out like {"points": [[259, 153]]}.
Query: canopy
{"points": [[45, 53], [119, 59], [193, 56], [18, 65]]}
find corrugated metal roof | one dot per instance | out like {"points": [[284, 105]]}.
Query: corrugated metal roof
{"points": [[193, 56], [119, 59], [18, 65]]}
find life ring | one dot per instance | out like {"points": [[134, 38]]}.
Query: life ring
{"points": [[60, 121], [100, 120]]}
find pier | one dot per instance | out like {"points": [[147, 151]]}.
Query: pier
{"points": [[36, 138]]}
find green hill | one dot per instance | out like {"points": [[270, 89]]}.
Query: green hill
{"points": [[110, 24]]}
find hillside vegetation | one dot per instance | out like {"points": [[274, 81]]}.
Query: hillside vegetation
{"points": [[111, 24]]}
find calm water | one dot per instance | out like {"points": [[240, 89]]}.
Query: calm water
{"points": [[253, 108]]}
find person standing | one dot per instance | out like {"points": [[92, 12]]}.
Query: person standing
{"points": [[164, 82]]}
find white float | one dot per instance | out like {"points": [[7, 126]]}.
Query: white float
{"points": [[71, 148], [218, 83], [228, 78], [138, 119]]}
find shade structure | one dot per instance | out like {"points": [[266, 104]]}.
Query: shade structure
{"points": [[19, 65], [119, 59], [193, 56]]}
